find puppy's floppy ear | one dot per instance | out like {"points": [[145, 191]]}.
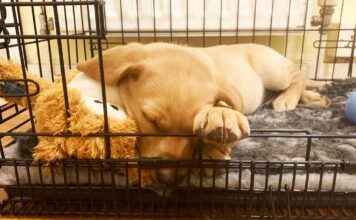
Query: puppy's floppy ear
{"points": [[230, 95], [116, 61]]}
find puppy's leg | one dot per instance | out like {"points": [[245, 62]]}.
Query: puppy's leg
{"points": [[3, 195], [312, 84], [290, 97], [315, 98], [280, 75], [222, 127]]}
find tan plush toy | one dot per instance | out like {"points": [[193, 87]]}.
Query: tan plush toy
{"points": [[85, 117]]}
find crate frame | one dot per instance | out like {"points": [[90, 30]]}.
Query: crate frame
{"points": [[283, 202]]}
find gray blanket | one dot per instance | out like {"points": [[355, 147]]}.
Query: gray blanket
{"points": [[314, 119]]}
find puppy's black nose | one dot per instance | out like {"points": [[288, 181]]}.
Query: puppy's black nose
{"points": [[167, 176]]}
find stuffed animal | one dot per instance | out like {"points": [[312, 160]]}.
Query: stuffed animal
{"points": [[84, 117]]}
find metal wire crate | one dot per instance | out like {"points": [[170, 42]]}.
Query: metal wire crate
{"points": [[50, 37]]}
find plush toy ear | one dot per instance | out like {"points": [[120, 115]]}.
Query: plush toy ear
{"points": [[116, 62]]}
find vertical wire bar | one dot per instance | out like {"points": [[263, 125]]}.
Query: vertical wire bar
{"points": [[122, 24], [267, 175], [152, 193], [83, 31], [75, 32], [61, 63], [28, 173], [227, 164], [332, 191], [337, 39], [99, 28], [18, 184], [49, 46], [39, 165], [220, 21], [304, 32], [239, 189], [188, 187], [3, 15], [8, 199], [67, 33], [305, 191], [90, 32], [104, 18], [54, 187], [288, 202], [65, 181], [266, 184], [24, 75], [272, 202], [21, 30], [351, 63], [101, 168], [213, 193], [280, 176], [154, 21], [175, 188], [200, 184], [271, 25], [187, 23], [316, 205], [204, 23], [170, 21], [127, 188], [88, 163], [287, 31], [138, 22], [254, 22], [2, 154], [293, 179], [308, 150], [320, 40], [36, 40], [76, 168], [237, 22], [140, 187], [252, 185]]}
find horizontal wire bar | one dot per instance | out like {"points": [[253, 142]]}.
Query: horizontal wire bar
{"points": [[172, 135], [46, 3]]}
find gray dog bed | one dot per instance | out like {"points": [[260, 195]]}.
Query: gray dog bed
{"points": [[319, 121], [314, 119]]}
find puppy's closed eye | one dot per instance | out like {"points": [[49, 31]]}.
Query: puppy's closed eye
{"points": [[151, 120]]}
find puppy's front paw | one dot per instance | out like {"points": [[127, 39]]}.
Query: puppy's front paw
{"points": [[3, 195], [221, 126]]}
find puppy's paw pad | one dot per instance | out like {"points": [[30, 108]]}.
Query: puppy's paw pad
{"points": [[221, 135], [220, 125]]}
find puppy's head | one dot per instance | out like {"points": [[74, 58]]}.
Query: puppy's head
{"points": [[163, 87]]}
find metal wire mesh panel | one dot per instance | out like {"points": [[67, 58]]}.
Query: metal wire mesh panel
{"points": [[51, 37]]}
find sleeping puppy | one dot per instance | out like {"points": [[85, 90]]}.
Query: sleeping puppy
{"points": [[170, 88]]}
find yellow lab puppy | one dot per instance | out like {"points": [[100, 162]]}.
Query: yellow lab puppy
{"points": [[171, 88]]}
